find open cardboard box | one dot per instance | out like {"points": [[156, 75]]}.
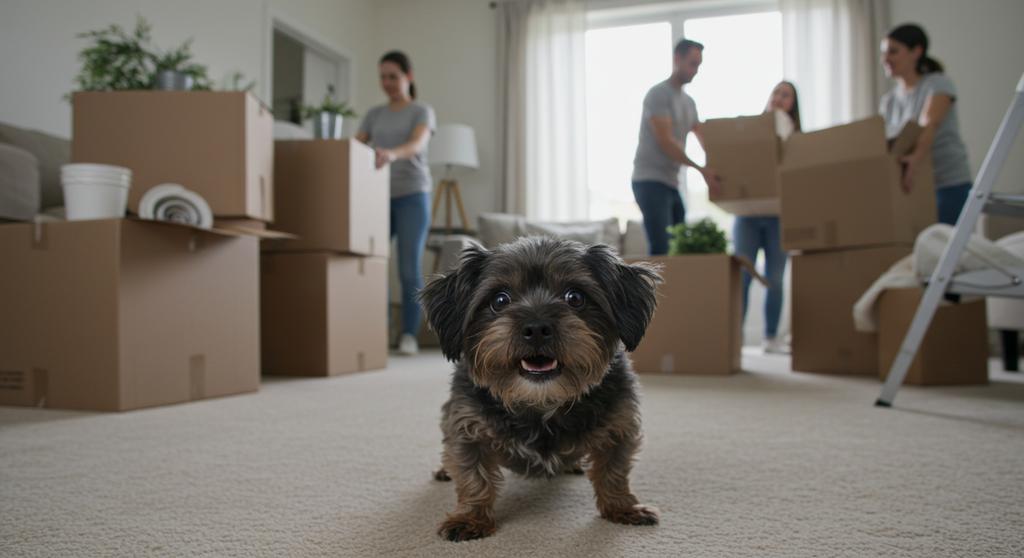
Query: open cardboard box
{"points": [[218, 144], [696, 325], [840, 188], [120, 314]]}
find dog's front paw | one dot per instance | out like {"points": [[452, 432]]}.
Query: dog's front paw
{"points": [[462, 528], [635, 515]]}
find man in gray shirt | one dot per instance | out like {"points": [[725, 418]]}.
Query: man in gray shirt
{"points": [[669, 114]]}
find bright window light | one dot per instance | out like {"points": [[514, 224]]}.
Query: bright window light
{"points": [[735, 79]]}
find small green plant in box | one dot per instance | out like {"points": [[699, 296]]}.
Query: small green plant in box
{"points": [[702, 237], [116, 59], [329, 105]]}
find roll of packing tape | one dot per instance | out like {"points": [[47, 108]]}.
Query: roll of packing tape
{"points": [[175, 204]]}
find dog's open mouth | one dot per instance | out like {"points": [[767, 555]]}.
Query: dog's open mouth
{"points": [[539, 367]]}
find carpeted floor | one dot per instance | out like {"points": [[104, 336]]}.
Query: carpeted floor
{"points": [[764, 463]]}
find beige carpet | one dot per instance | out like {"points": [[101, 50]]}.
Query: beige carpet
{"points": [[765, 463]]}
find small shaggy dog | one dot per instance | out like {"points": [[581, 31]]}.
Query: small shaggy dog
{"points": [[537, 329]]}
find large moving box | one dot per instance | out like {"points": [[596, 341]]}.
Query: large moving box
{"points": [[696, 326], [329, 194], [323, 314], [841, 189], [746, 152], [955, 349], [218, 144], [112, 315], [825, 287]]}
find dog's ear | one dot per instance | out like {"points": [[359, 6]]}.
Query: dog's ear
{"points": [[446, 298], [631, 290]]}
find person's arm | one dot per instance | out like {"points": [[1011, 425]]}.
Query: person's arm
{"points": [[935, 109], [662, 126], [362, 137], [416, 144]]}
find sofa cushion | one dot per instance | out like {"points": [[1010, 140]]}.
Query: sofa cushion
{"points": [[498, 228], [51, 151], [587, 232], [19, 184]]}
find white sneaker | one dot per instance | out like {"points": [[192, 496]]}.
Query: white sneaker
{"points": [[775, 346], [407, 345]]}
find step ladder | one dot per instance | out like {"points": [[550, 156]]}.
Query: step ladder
{"points": [[996, 281]]}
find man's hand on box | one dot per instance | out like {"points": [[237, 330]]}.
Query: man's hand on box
{"points": [[384, 157], [713, 181], [909, 164]]}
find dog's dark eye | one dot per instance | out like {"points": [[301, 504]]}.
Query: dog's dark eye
{"points": [[500, 301], [574, 298]]}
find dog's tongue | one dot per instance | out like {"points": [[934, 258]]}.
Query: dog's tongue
{"points": [[539, 364]]}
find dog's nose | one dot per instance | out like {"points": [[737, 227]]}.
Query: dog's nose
{"points": [[538, 331]]}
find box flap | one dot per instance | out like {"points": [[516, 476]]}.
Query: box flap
{"points": [[747, 265], [858, 140], [224, 230], [905, 141]]}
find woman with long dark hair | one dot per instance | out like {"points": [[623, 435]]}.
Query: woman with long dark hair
{"points": [[753, 233], [924, 94], [399, 132]]}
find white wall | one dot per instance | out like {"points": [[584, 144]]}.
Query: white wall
{"points": [[981, 45], [39, 47]]}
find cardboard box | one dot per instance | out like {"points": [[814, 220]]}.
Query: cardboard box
{"points": [[323, 314], [696, 326], [112, 315], [953, 352], [841, 189], [746, 153], [825, 287], [218, 144], [330, 195]]}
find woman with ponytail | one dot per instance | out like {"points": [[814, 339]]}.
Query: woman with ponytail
{"points": [[924, 94], [399, 132]]}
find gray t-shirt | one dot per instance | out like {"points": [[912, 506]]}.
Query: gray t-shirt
{"points": [[651, 163], [949, 156], [387, 128]]}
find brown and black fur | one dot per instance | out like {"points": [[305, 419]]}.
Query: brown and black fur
{"points": [[544, 424]]}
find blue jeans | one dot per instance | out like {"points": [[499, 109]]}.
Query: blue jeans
{"points": [[662, 206], [410, 222], [750, 234], [950, 201]]}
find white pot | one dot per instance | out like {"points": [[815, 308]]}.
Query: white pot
{"points": [[94, 200]]}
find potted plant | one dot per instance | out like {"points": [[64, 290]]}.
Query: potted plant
{"points": [[702, 237], [175, 71], [328, 116], [116, 59]]}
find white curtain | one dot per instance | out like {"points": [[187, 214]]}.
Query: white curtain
{"points": [[830, 51], [543, 114]]}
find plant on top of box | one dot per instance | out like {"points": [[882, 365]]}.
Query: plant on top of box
{"points": [[327, 116], [702, 237], [175, 70], [116, 59]]}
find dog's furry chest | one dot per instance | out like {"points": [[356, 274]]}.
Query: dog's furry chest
{"points": [[534, 447]]}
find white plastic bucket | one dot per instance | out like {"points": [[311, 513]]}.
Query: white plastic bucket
{"points": [[94, 200]]}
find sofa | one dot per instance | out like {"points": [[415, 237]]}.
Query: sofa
{"points": [[30, 163]]}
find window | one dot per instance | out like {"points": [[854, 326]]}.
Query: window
{"points": [[626, 55]]}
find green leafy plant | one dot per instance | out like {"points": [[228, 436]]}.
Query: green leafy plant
{"points": [[329, 104], [180, 60], [116, 59], [235, 81], [702, 237]]}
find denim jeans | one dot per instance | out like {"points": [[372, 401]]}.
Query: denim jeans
{"points": [[950, 201], [750, 234], [410, 222], [662, 206]]}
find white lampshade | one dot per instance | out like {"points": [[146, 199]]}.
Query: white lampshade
{"points": [[454, 144]]}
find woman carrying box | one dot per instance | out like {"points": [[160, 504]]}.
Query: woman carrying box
{"points": [[761, 232], [924, 94], [399, 132]]}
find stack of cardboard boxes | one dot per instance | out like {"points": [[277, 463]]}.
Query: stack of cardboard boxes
{"points": [[324, 294], [121, 314]]}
